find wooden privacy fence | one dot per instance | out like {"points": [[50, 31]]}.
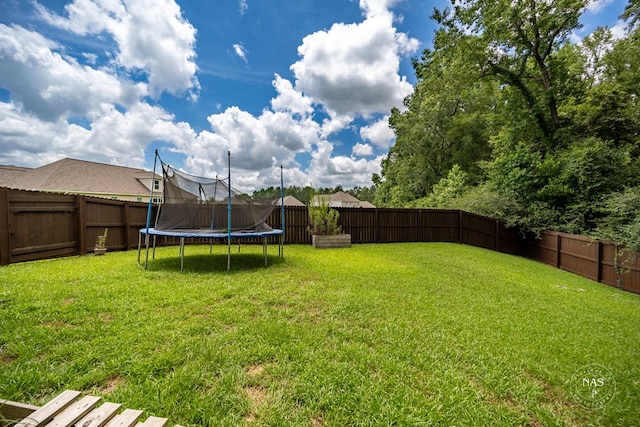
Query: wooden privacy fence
{"points": [[597, 260], [36, 225]]}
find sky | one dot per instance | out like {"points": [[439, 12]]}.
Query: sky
{"points": [[306, 84]]}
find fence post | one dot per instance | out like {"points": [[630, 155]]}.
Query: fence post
{"points": [[558, 244], [460, 213], [5, 228], [497, 249], [599, 262], [127, 226], [81, 213]]}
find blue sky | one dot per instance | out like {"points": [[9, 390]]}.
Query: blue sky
{"points": [[308, 84]]}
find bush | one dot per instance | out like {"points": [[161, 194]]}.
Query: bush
{"points": [[323, 220], [621, 223]]}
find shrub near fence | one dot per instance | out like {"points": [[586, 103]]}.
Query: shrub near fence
{"points": [[36, 225]]}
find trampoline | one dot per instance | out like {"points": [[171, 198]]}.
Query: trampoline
{"points": [[208, 208]]}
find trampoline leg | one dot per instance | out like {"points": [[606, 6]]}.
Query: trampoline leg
{"points": [[264, 250], [153, 254], [210, 246], [146, 253], [228, 255], [181, 253]]}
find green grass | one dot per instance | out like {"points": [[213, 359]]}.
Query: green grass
{"points": [[404, 334]]}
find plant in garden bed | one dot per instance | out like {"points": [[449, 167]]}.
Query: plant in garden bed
{"points": [[323, 225]]}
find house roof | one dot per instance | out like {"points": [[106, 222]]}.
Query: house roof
{"points": [[11, 174], [72, 175], [340, 196], [368, 205], [289, 201]]}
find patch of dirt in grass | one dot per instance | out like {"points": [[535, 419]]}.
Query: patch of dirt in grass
{"points": [[68, 302], [111, 385], [250, 418], [257, 398], [5, 357], [316, 421], [254, 371], [57, 324], [257, 395], [105, 317]]}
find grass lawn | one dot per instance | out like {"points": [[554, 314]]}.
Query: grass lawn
{"points": [[403, 334]]}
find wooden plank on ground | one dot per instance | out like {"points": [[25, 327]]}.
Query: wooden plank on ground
{"points": [[99, 416], [127, 418], [14, 411], [73, 413], [50, 410], [154, 422]]}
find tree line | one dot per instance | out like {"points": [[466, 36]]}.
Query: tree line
{"points": [[513, 118]]}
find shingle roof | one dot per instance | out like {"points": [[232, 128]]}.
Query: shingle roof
{"points": [[289, 201], [341, 196], [367, 205], [82, 176], [11, 174]]}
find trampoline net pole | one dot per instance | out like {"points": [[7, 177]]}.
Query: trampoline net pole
{"points": [[229, 213]]}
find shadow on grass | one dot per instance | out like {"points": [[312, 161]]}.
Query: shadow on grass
{"points": [[214, 263]]}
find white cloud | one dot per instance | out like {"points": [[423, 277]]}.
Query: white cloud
{"points": [[113, 137], [151, 36], [379, 133], [325, 170], [243, 6], [362, 150], [352, 69], [51, 85], [619, 30], [377, 7], [240, 50], [597, 6], [288, 99], [335, 125], [256, 143], [60, 107]]}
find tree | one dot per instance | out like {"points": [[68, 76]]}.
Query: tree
{"points": [[445, 191], [446, 122], [516, 41]]}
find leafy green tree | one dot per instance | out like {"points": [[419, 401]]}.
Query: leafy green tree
{"points": [[545, 132], [516, 41], [446, 122], [445, 191]]}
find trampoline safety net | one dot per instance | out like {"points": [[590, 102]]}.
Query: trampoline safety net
{"points": [[194, 204]]}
